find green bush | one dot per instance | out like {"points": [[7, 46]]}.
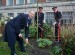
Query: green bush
{"points": [[69, 40], [44, 42], [69, 43], [33, 31], [2, 21], [47, 30], [1, 35], [56, 50]]}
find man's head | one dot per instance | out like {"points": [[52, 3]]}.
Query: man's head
{"points": [[40, 9], [31, 14], [55, 9]]}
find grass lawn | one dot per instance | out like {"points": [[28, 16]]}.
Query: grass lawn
{"points": [[4, 49]]}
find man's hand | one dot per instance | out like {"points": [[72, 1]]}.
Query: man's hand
{"points": [[27, 41], [20, 35], [54, 23]]}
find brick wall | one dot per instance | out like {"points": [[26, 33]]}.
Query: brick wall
{"points": [[41, 1], [3, 2], [14, 2]]}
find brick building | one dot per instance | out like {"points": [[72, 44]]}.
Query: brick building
{"points": [[15, 7]]}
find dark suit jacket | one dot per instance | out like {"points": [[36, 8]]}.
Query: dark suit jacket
{"points": [[19, 22], [58, 16], [40, 18]]}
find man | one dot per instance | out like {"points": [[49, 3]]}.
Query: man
{"points": [[57, 16], [12, 31], [40, 21]]}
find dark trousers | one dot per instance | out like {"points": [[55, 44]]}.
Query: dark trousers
{"points": [[56, 30], [11, 38], [12, 47], [40, 32]]}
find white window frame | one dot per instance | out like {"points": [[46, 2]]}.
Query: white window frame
{"points": [[28, 1], [17, 2], [7, 2]]}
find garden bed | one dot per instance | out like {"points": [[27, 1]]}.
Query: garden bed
{"points": [[37, 50]]}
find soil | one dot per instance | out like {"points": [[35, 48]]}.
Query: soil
{"points": [[37, 50], [40, 51]]}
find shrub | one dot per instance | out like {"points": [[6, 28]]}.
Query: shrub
{"points": [[2, 22], [1, 35], [33, 31], [56, 50], [47, 30], [44, 42], [69, 40]]}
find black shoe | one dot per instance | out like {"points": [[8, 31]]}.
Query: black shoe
{"points": [[14, 54], [24, 50]]}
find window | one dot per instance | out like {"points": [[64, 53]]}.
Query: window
{"points": [[0, 2], [10, 14], [67, 17], [21, 2], [33, 1], [66, 21], [50, 21], [49, 17], [10, 2]]}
